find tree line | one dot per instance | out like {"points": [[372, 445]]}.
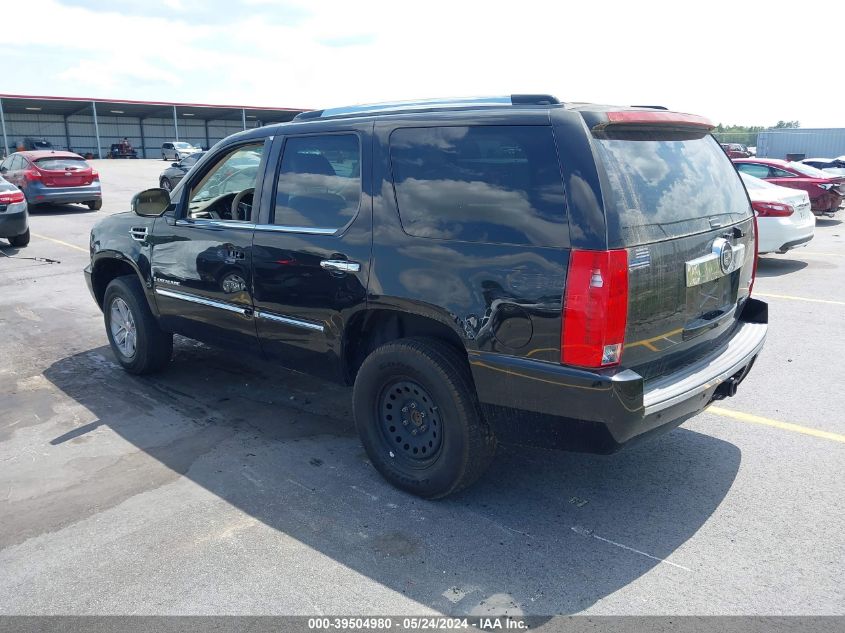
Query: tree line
{"points": [[747, 134]]}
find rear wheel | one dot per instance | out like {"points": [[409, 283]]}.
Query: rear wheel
{"points": [[95, 205], [419, 419], [20, 240], [137, 341], [163, 156]]}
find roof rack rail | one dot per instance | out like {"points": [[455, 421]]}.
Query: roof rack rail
{"points": [[653, 107], [428, 104]]}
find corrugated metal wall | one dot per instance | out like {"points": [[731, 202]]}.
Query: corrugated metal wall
{"points": [[81, 137], [812, 142]]}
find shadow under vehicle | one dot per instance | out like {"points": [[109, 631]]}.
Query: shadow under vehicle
{"points": [[525, 539]]}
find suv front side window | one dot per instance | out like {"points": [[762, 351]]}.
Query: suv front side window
{"points": [[319, 183], [225, 191]]}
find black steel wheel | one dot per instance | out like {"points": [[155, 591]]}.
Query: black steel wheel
{"points": [[419, 419], [410, 420]]}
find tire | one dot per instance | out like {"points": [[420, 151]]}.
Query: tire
{"points": [[166, 184], [20, 240], [95, 205], [431, 453], [153, 347], [163, 156]]}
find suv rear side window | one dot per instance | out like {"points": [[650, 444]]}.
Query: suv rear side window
{"points": [[663, 187], [319, 183], [493, 184]]}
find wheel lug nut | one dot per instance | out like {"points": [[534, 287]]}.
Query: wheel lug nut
{"points": [[413, 431], [405, 422], [404, 409]]}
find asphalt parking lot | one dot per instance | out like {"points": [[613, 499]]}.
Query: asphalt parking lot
{"points": [[227, 486]]}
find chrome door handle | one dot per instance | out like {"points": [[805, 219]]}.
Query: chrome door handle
{"points": [[340, 265]]}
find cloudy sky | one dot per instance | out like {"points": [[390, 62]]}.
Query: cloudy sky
{"points": [[736, 62]]}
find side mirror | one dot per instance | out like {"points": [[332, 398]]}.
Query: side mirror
{"points": [[150, 203]]}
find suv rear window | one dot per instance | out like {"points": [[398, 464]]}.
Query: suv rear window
{"points": [[663, 187], [494, 184], [55, 164]]}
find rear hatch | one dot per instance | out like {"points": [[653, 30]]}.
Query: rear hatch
{"points": [[675, 203], [64, 171]]}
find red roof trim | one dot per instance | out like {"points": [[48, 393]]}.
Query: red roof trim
{"points": [[152, 103]]}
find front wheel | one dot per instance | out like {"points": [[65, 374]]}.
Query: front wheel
{"points": [[166, 184], [419, 419], [140, 346]]}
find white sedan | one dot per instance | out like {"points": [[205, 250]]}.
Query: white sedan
{"points": [[784, 218]]}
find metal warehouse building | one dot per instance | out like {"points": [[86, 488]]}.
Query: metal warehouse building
{"points": [[91, 126], [811, 142]]}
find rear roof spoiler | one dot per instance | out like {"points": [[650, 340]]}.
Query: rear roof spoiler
{"points": [[651, 118]]}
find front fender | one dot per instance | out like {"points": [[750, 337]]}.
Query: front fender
{"points": [[120, 241]]}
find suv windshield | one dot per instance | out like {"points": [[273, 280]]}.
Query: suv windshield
{"points": [[663, 187], [182, 145]]}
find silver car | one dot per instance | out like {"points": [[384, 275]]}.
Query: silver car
{"points": [[177, 150]]}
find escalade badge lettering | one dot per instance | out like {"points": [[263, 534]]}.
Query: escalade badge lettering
{"points": [[170, 282], [722, 260]]}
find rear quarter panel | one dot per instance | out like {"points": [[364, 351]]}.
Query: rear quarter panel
{"points": [[496, 297]]}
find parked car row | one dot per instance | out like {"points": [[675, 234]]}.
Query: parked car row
{"points": [[826, 190]]}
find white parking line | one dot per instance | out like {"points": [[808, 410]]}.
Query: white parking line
{"points": [[585, 532], [792, 298]]}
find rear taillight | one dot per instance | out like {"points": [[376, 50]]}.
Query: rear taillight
{"points": [[595, 308], [11, 197], [772, 209], [95, 175], [32, 174]]}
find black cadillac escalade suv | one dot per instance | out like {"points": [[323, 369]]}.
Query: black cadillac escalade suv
{"points": [[522, 269]]}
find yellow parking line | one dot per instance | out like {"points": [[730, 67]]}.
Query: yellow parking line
{"points": [[791, 298], [785, 426], [53, 239]]}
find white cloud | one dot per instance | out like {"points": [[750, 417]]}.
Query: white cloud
{"points": [[731, 61]]}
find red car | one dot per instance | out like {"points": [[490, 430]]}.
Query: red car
{"points": [[826, 190], [53, 177], [735, 150]]}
